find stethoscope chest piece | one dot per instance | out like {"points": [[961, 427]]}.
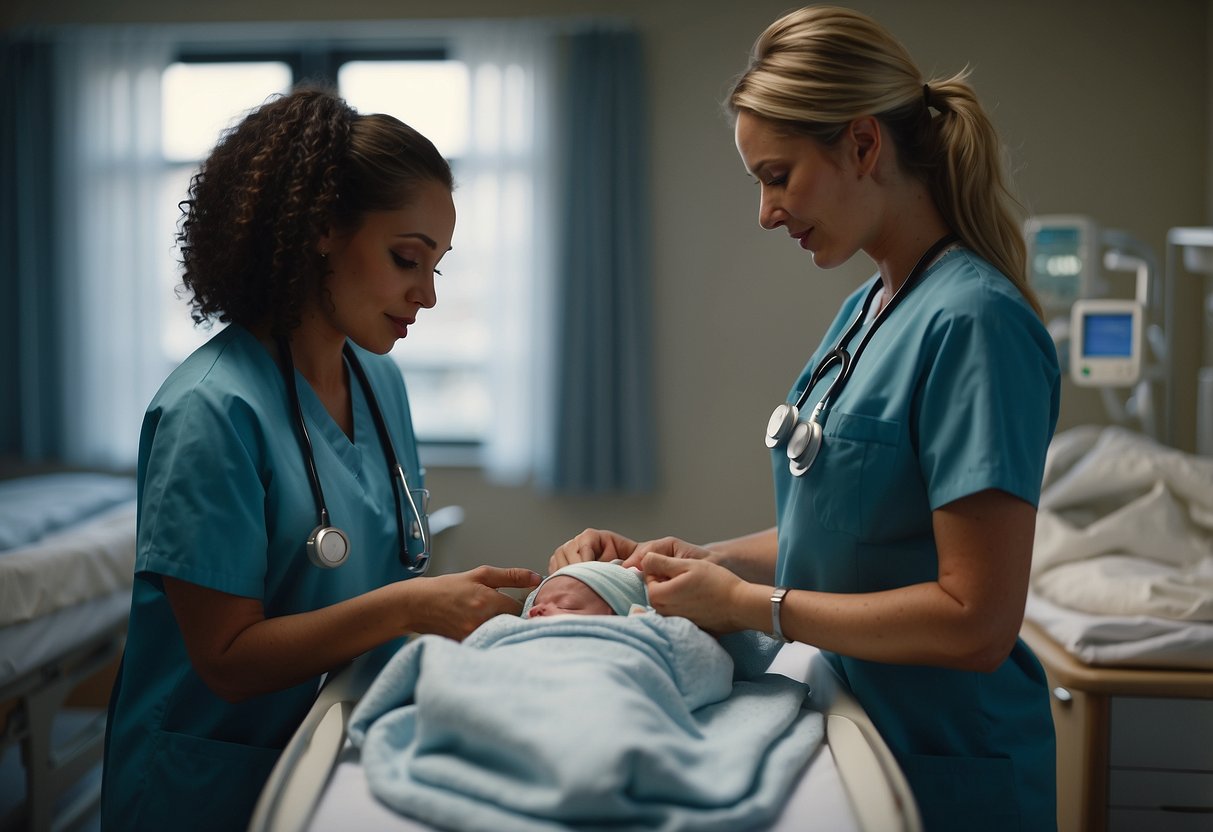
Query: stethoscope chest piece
{"points": [[328, 547], [779, 427], [803, 446]]}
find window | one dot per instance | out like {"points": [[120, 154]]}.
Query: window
{"points": [[125, 152], [445, 359]]}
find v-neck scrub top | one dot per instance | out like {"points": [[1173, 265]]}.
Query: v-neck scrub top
{"points": [[956, 392], [225, 503]]}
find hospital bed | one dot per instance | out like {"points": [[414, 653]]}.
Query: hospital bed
{"points": [[851, 783], [67, 553]]}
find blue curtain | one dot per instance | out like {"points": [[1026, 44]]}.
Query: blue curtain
{"points": [[603, 398], [31, 427]]}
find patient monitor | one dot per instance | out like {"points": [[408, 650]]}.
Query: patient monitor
{"points": [[1062, 259], [1105, 342], [1104, 339]]}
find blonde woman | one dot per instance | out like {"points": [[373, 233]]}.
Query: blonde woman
{"points": [[909, 452]]}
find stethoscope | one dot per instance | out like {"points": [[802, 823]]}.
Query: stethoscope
{"points": [[328, 546], [804, 437]]}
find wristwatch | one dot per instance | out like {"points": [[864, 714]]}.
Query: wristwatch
{"points": [[776, 603]]}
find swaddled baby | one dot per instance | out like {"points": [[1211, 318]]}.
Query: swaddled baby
{"points": [[588, 588], [490, 734]]}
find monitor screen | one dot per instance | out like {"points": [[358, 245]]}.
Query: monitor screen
{"points": [[1108, 335], [1057, 264]]}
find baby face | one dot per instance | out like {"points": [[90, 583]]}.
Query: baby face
{"points": [[563, 595]]}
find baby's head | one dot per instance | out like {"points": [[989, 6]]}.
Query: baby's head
{"points": [[588, 588]]}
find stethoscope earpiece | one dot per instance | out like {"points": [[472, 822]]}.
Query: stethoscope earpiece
{"points": [[328, 547]]}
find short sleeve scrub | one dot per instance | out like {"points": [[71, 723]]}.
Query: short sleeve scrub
{"points": [[956, 392], [225, 503]]}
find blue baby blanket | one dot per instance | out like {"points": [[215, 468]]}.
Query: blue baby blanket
{"points": [[583, 722]]}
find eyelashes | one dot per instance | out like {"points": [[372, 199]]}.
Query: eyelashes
{"points": [[405, 263], [773, 182]]}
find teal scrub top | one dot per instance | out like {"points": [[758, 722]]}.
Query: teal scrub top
{"points": [[956, 392], [225, 503]]}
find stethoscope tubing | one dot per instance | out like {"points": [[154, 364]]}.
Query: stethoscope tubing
{"points": [[394, 466], [849, 360], [416, 565], [784, 421]]}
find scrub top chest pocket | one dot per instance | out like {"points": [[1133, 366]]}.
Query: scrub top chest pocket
{"points": [[852, 472]]}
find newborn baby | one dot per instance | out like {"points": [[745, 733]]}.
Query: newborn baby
{"points": [[588, 588]]}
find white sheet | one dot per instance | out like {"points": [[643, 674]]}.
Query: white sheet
{"points": [[818, 802], [1125, 528], [1125, 641], [67, 567]]}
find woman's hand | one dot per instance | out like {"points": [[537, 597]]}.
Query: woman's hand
{"points": [[239, 653], [680, 583], [592, 544], [669, 546], [454, 605]]}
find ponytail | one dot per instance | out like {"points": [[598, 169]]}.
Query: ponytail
{"points": [[970, 185]]}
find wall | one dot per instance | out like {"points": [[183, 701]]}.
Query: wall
{"points": [[1105, 106]]}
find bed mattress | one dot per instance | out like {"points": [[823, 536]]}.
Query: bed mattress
{"points": [[64, 539]]}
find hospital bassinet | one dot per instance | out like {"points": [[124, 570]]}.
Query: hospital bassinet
{"points": [[851, 783]]}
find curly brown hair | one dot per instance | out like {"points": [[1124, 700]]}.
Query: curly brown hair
{"points": [[297, 167]]}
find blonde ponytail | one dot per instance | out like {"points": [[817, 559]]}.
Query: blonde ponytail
{"points": [[970, 185]]}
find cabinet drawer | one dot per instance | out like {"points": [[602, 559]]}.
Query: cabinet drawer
{"points": [[1161, 733], [1141, 820], [1135, 788]]}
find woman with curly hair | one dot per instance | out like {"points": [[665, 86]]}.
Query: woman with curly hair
{"points": [[908, 453], [314, 232]]}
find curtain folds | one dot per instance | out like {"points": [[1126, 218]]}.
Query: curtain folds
{"points": [[31, 405], [604, 430], [107, 205]]}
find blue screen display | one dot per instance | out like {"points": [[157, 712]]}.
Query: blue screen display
{"points": [[1107, 335]]}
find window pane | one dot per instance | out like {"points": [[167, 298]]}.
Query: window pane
{"points": [[200, 100], [429, 96], [445, 357]]}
